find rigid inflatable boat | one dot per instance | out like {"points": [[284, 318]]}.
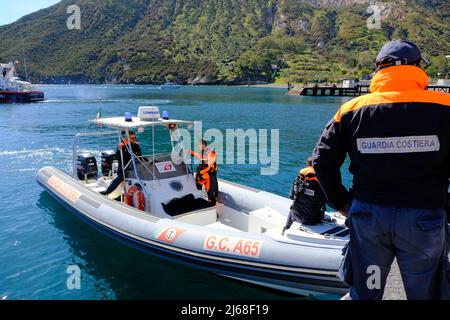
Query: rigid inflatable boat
{"points": [[240, 237]]}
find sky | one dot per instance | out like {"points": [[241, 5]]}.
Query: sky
{"points": [[11, 10]]}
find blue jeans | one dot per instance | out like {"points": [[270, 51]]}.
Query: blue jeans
{"points": [[416, 237], [115, 183]]}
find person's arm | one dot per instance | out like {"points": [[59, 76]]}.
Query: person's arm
{"points": [[195, 154], [328, 157], [204, 171], [138, 151], [320, 193], [291, 192]]}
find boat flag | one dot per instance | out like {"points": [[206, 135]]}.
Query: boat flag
{"points": [[99, 116]]}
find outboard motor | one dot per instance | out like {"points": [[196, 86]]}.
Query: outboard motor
{"points": [[108, 158], [86, 166]]}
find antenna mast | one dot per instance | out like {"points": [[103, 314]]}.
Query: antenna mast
{"points": [[24, 62]]}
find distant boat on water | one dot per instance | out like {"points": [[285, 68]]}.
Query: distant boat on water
{"points": [[14, 90], [169, 86]]}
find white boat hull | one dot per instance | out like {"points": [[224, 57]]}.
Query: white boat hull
{"points": [[304, 261]]}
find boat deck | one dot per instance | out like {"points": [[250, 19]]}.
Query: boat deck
{"points": [[209, 217], [221, 226]]}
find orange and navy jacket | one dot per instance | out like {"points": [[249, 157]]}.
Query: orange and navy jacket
{"points": [[398, 140], [208, 160], [135, 147], [309, 199]]}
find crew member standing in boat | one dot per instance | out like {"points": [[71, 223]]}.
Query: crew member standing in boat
{"points": [[398, 140], [122, 151], [308, 207], [207, 171]]}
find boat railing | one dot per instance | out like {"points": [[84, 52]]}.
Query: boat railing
{"points": [[76, 143]]}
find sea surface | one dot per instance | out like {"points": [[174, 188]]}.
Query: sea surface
{"points": [[39, 238]]}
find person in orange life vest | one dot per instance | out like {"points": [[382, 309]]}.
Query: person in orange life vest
{"points": [[207, 171], [308, 205]]}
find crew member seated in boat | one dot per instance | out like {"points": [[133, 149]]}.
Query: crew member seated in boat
{"points": [[123, 146], [207, 171], [308, 207]]}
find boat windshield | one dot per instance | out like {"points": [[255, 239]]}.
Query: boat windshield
{"points": [[156, 137], [157, 141], [157, 144]]}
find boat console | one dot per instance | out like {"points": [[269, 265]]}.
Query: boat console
{"points": [[161, 168]]}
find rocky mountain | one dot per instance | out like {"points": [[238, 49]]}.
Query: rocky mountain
{"points": [[336, 3], [221, 41]]}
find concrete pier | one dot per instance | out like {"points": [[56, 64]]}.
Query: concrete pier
{"points": [[394, 287], [337, 91]]}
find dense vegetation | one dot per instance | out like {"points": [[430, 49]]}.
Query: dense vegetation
{"points": [[219, 41]]}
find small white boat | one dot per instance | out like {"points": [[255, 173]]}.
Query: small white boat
{"points": [[240, 237], [169, 86]]}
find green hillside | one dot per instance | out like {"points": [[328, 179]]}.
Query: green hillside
{"points": [[219, 41]]}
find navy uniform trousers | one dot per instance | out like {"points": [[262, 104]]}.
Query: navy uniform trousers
{"points": [[116, 182], [416, 237]]}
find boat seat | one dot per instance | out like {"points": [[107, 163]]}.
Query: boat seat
{"points": [[202, 217], [266, 220], [221, 226], [186, 204], [103, 183]]}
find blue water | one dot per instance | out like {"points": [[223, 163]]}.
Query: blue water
{"points": [[39, 238]]}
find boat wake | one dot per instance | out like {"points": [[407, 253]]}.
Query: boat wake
{"points": [[93, 100], [28, 160], [32, 153]]}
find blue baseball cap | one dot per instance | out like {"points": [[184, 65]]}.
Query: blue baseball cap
{"points": [[397, 53]]}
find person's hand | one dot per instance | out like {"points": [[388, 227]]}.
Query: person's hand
{"points": [[344, 211]]}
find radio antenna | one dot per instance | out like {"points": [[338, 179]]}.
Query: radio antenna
{"points": [[24, 62]]}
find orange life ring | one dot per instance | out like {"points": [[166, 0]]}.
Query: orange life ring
{"points": [[134, 197]]}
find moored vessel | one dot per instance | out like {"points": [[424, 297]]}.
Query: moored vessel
{"points": [[170, 86], [14, 90]]}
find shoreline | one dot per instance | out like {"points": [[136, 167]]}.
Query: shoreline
{"points": [[270, 85]]}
